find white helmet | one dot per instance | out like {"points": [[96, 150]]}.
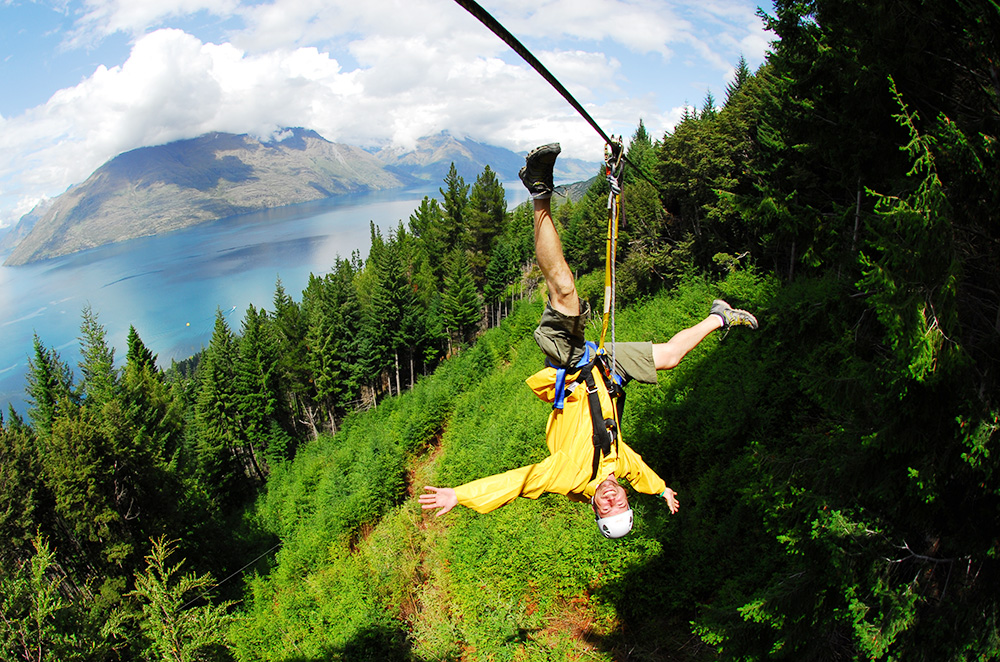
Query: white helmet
{"points": [[615, 526]]}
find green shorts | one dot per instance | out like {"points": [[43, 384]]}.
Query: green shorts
{"points": [[561, 339]]}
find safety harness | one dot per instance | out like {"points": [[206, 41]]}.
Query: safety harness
{"points": [[595, 360]]}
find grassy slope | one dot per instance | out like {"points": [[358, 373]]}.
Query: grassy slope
{"points": [[530, 581]]}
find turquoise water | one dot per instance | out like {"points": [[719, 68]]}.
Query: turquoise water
{"points": [[170, 286]]}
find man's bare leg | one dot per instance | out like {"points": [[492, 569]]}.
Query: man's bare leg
{"points": [[537, 178], [548, 251], [667, 355]]}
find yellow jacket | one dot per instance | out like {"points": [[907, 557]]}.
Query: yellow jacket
{"points": [[569, 435]]}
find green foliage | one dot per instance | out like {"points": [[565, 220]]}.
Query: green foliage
{"points": [[99, 378], [36, 619], [23, 492], [176, 628], [455, 198], [216, 413], [49, 390], [586, 228], [917, 306], [460, 311], [485, 216]]}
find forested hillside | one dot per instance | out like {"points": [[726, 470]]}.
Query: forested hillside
{"points": [[837, 467]]}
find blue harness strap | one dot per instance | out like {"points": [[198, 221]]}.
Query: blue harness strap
{"points": [[560, 395]]}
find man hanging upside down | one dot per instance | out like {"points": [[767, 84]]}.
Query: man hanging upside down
{"points": [[587, 457]]}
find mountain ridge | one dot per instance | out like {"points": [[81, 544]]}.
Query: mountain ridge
{"points": [[158, 189], [152, 190]]}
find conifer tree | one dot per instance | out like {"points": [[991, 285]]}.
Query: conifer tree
{"points": [[144, 427], [21, 491], [708, 109], [138, 354], [289, 330], [50, 388], [485, 217], [427, 226], [321, 345], [740, 77], [91, 494], [334, 318], [216, 413], [461, 305], [37, 623], [256, 387], [641, 154], [499, 273], [348, 320], [176, 614], [586, 226], [456, 196], [99, 378]]}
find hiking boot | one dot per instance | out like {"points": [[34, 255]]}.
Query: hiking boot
{"points": [[537, 171], [732, 316]]}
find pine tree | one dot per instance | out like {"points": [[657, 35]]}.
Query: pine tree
{"points": [[50, 388], [86, 479], [21, 490], [708, 109], [642, 155], [740, 76], [485, 218], [256, 388], [144, 424], [331, 307], [138, 354], [428, 227], [461, 305], [216, 414], [499, 274], [456, 196], [289, 330], [97, 366]]}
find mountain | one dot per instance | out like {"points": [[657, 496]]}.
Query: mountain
{"points": [[575, 192], [11, 236], [151, 190], [433, 156]]}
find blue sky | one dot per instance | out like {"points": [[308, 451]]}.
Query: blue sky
{"points": [[83, 81]]}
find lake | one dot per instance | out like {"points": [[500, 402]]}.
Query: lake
{"points": [[170, 286]]}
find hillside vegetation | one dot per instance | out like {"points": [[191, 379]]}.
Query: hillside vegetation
{"points": [[837, 468]]}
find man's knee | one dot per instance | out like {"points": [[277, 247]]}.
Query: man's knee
{"points": [[563, 296]]}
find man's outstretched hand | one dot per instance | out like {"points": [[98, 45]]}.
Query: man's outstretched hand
{"points": [[438, 497], [671, 498]]}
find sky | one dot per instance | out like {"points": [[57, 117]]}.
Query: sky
{"points": [[82, 81]]}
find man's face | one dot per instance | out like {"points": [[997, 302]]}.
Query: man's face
{"points": [[610, 498]]}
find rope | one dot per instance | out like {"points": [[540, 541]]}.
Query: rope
{"points": [[205, 594], [613, 154], [486, 19]]}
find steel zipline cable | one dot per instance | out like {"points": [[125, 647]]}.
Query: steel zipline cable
{"points": [[499, 30]]}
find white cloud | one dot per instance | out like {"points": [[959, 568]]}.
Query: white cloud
{"points": [[171, 87], [101, 18]]}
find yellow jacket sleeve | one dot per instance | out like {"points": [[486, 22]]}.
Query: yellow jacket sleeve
{"points": [[553, 474], [632, 467]]}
